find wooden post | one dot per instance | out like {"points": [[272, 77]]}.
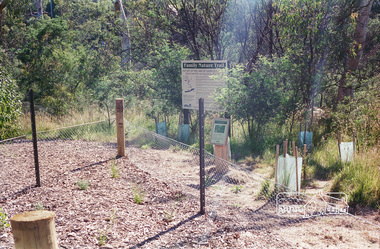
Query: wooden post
{"points": [[34, 230], [339, 140], [286, 146], [221, 151], [294, 147], [276, 166], [120, 127], [304, 135], [232, 127], [285, 150], [304, 161]]}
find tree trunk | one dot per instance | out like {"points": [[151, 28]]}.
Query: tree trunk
{"points": [[270, 28], [360, 35], [125, 37], [3, 4], [40, 9]]}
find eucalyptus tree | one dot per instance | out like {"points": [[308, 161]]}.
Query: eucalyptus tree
{"points": [[3, 4], [201, 24], [359, 16], [10, 106], [124, 32]]}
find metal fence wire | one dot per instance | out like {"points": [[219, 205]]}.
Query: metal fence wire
{"points": [[228, 185], [241, 199], [85, 138], [237, 199]]}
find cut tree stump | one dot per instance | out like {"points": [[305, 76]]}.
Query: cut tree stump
{"points": [[34, 230]]}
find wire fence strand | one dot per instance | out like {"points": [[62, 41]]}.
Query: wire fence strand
{"points": [[237, 199]]}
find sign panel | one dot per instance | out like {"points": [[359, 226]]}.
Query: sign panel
{"points": [[219, 131], [198, 82]]}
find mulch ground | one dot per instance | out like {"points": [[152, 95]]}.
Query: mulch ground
{"points": [[106, 215]]}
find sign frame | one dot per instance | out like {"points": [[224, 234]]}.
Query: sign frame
{"points": [[197, 82], [219, 132]]}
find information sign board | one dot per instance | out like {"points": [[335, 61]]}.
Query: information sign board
{"points": [[219, 133], [198, 81]]}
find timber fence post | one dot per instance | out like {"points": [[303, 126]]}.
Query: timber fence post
{"points": [[120, 127]]}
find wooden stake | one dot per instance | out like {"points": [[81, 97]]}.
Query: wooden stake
{"points": [[354, 142], [276, 166], [120, 127], [304, 135], [304, 161], [297, 188], [232, 127], [312, 114], [284, 148], [34, 230], [339, 140], [294, 147]]}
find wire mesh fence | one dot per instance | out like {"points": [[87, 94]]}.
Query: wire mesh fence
{"points": [[241, 199], [237, 200], [18, 163]]}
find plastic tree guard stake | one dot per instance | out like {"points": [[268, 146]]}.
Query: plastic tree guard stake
{"points": [[183, 133], [346, 151], [308, 141], [287, 171], [161, 129]]}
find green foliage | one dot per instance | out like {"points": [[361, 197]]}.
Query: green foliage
{"points": [[361, 115], [102, 238], [324, 162], [360, 180], [255, 99], [146, 146], [115, 171], [236, 189], [265, 190], [169, 216], [83, 185], [10, 107], [165, 88], [3, 220], [103, 234], [283, 56], [39, 206], [138, 194]]}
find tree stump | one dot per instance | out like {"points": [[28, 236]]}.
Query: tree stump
{"points": [[34, 230]]}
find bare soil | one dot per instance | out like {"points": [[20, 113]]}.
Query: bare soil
{"points": [[169, 216]]}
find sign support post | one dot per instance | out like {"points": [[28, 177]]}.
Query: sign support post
{"points": [[219, 138]]}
